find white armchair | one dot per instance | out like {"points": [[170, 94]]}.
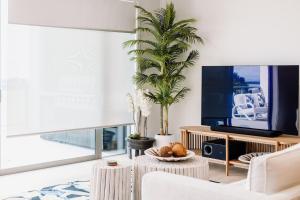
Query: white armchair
{"points": [[165, 186], [272, 177]]}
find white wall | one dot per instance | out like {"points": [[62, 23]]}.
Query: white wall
{"points": [[235, 32]]}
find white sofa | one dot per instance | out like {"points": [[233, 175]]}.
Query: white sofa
{"points": [[272, 177]]}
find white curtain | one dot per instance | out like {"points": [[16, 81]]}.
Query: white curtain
{"points": [[57, 79]]}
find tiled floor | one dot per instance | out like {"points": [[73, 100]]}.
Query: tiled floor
{"points": [[217, 173], [15, 184]]}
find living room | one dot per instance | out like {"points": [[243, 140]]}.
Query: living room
{"points": [[88, 88]]}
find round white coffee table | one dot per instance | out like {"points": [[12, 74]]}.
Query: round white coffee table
{"points": [[111, 183], [196, 167]]}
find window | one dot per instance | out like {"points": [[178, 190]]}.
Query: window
{"points": [[59, 86], [63, 145]]}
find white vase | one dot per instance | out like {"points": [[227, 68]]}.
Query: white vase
{"points": [[164, 140]]}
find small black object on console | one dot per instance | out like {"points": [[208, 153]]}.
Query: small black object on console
{"points": [[216, 149]]}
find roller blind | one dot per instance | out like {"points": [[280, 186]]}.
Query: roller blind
{"points": [[113, 15], [59, 78]]}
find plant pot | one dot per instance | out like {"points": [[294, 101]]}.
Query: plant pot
{"points": [[139, 145], [164, 140]]}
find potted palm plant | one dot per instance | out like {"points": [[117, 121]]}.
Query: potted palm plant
{"points": [[162, 59]]}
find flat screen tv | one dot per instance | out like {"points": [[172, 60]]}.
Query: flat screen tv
{"points": [[256, 97]]}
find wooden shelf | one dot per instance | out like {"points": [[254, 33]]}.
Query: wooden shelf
{"points": [[198, 152], [205, 130], [193, 136], [235, 163], [222, 162], [239, 164]]}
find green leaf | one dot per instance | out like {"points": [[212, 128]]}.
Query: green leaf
{"points": [[184, 22], [131, 43], [180, 94]]}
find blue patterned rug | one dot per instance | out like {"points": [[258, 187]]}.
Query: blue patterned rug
{"points": [[78, 190]]}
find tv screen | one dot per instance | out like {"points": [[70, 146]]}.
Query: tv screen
{"points": [[256, 96]]}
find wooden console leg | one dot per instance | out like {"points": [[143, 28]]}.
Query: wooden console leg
{"points": [[227, 155], [182, 137], [276, 147], [185, 138]]}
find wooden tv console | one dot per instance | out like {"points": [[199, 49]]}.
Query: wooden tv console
{"points": [[193, 136]]}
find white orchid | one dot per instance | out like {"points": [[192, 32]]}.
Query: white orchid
{"points": [[140, 107], [130, 103]]}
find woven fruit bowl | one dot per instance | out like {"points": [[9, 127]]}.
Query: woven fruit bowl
{"points": [[154, 153]]}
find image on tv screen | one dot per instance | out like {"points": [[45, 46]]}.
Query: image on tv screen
{"points": [[250, 96]]}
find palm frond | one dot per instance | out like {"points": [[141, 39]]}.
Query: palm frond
{"points": [[184, 22], [180, 94], [140, 52], [145, 64], [148, 30], [131, 43], [142, 79], [170, 15], [160, 15], [152, 97], [148, 17]]}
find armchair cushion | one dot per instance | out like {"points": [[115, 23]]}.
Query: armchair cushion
{"points": [[275, 172]]}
